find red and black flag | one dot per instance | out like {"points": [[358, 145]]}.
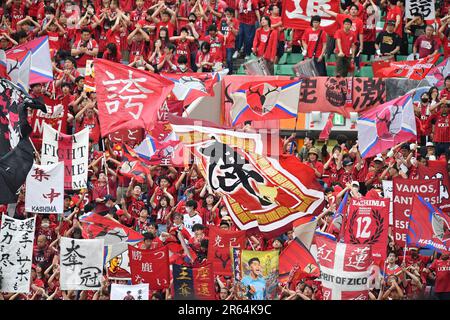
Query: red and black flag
{"points": [[133, 166]]}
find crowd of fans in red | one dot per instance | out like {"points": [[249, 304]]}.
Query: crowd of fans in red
{"points": [[196, 35]]}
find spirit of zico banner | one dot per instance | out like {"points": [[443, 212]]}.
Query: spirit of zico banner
{"points": [[256, 272], [403, 194], [367, 223]]}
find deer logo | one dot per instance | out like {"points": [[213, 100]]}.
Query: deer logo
{"points": [[389, 122], [194, 83], [262, 97]]}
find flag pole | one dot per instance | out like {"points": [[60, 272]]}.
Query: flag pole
{"points": [[106, 172], [35, 151]]}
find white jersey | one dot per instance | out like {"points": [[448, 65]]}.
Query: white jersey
{"points": [[189, 222]]}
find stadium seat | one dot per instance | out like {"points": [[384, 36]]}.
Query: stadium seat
{"points": [[283, 70], [240, 70], [293, 58], [331, 71], [366, 72], [283, 59], [401, 58]]}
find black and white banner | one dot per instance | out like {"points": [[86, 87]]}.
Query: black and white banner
{"points": [[16, 250], [45, 189], [424, 7]]}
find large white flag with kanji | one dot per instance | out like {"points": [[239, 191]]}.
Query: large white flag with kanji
{"points": [[81, 264], [45, 189], [344, 269]]}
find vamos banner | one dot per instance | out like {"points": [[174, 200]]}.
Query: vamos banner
{"points": [[404, 191]]}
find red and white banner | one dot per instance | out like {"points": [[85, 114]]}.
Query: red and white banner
{"points": [[438, 170], [45, 189], [56, 117], [368, 223], [72, 150], [414, 70], [220, 242], [260, 192], [150, 266], [265, 100], [130, 137], [403, 193], [344, 269], [128, 98], [297, 13]]}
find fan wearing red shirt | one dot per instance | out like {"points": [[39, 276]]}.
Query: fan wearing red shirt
{"points": [[138, 42], [204, 59], [266, 41], [314, 42], [54, 31], [84, 49], [88, 118], [184, 11], [441, 129], [150, 242], [345, 48], [373, 176], [248, 12], [445, 93], [444, 36], [426, 44], [395, 13], [182, 43], [214, 10], [441, 269], [16, 9], [168, 19], [229, 28], [168, 64], [314, 163], [217, 44]]}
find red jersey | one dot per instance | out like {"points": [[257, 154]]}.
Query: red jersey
{"points": [[225, 29], [442, 270], [217, 51], [82, 58], [247, 11], [137, 48], [169, 25], [137, 15], [311, 37], [183, 49], [94, 127], [316, 164], [441, 132], [357, 24], [392, 14], [426, 46], [201, 57], [134, 206], [219, 6], [53, 40], [347, 40], [265, 43]]}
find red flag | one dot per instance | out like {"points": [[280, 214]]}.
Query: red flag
{"points": [[219, 248], [130, 137], [368, 223], [325, 133], [133, 166], [402, 194], [127, 97], [438, 170], [414, 70], [297, 13], [344, 269], [429, 227], [150, 266], [296, 263]]}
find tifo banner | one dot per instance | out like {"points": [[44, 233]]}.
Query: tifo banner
{"points": [[16, 252], [133, 165], [326, 94], [344, 269], [265, 100], [72, 150], [438, 170], [437, 75], [219, 248], [81, 264], [117, 237], [45, 189], [256, 272], [259, 191], [128, 98], [396, 87], [150, 266], [414, 70], [130, 137], [193, 283], [118, 268], [423, 7], [56, 117], [296, 263], [429, 227], [404, 191], [387, 191], [129, 292], [367, 223], [297, 13], [386, 125]]}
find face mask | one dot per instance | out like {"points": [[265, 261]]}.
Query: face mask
{"points": [[424, 100], [45, 224]]}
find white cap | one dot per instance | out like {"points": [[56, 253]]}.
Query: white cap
{"points": [[430, 144], [378, 158], [355, 183]]}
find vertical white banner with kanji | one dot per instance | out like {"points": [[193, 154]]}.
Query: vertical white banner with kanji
{"points": [[423, 7], [45, 189], [129, 292], [16, 250], [81, 264]]}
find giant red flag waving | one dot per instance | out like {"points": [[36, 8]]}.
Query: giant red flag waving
{"points": [[127, 97], [414, 70]]}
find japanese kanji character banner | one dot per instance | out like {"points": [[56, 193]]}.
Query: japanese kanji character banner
{"points": [[45, 184], [150, 266], [72, 150], [297, 13], [344, 269], [367, 223], [438, 170], [129, 292], [16, 250], [219, 248], [193, 283], [256, 273], [81, 264], [403, 194], [423, 7]]}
